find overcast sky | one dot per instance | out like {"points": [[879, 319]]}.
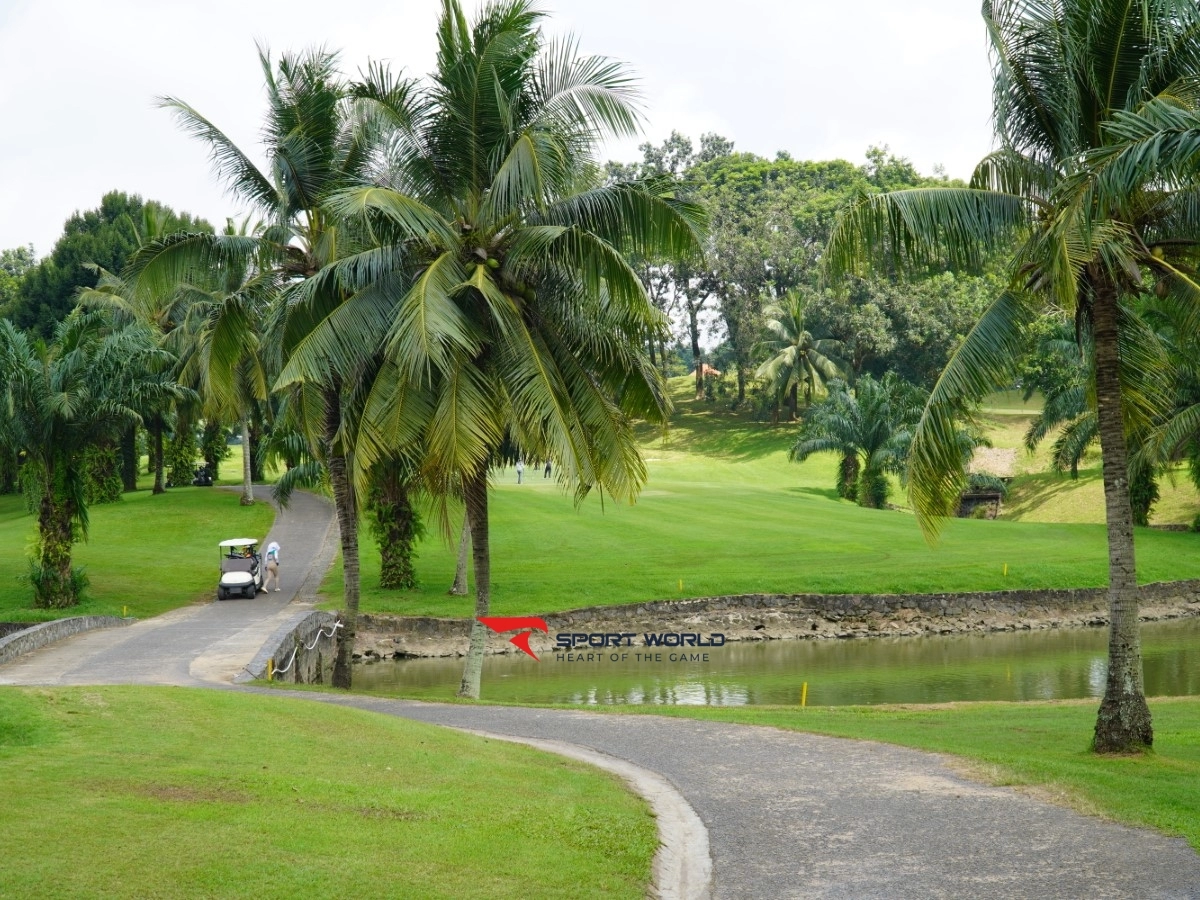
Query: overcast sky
{"points": [[820, 79]]}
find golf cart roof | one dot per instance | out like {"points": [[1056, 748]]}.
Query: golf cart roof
{"points": [[238, 542]]}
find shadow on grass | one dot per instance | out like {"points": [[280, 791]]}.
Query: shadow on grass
{"points": [[823, 493], [1031, 493], [713, 429]]}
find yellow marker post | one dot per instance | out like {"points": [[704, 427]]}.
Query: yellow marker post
{"points": [[1006, 570], [124, 612], [804, 695], [271, 669], [681, 584]]}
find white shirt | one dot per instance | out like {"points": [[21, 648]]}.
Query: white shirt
{"points": [[273, 551]]}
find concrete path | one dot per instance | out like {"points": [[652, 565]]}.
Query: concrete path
{"points": [[204, 643], [796, 815]]}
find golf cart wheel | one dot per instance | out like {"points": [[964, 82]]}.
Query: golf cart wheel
{"points": [[222, 594]]}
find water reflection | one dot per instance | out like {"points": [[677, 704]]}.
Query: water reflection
{"points": [[1040, 665]]}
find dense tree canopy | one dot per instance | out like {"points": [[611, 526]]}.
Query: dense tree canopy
{"points": [[106, 236]]}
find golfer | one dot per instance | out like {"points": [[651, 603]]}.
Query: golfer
{"points": [[272, 566]]}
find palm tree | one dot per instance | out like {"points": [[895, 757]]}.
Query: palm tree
{"points": [[796, 357], [59, 401], [321, 135], [871, 430], [1093, 185], [500, 280]]}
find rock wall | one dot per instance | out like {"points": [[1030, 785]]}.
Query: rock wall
{"points": [[756, 617], [301, 651], [34, 637]]}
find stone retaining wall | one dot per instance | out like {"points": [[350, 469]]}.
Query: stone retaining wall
{"points": [[35, 637], [302, 650], [795, 616]]}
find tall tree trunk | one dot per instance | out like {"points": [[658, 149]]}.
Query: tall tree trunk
{"points": [[653, 357], [794, 401], [694, 332], [741, 382], [347, 516], [129, 459], [54, 588], [477, 515], [1123, 723], [394, 529], [459, 588], [247, 473], [156, 453], [256, 434]]}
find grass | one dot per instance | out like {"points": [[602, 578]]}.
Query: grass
{"points": [[725, 512], [1041, 746], [146, 554], [166, 792]]}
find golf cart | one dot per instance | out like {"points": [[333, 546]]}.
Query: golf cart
{"points": [[241, 568]]}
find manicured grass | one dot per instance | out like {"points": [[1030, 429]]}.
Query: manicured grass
{"points": [[146, 554], [1039, 745], [168, 792], [725, 512]]}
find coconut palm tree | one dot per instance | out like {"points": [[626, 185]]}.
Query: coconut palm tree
{"points": [[1093, 186], [320, 136], [795, 356], [60, 400], [499, 280], [871, 430]]}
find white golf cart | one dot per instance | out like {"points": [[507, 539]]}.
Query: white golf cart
{"points": [[241, 568]]}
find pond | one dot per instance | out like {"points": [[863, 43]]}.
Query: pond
{"points": [[1026, 665]]}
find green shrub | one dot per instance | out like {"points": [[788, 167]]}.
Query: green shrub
{"points": [[102, 475]]}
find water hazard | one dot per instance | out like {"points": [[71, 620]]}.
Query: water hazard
{"points": [[1030, 665]]}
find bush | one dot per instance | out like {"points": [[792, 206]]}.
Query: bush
{"points": [[47, 593]]}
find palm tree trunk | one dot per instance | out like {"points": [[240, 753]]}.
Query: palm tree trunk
{"points": [[256, 436], [1123, 722], [347, 516], [459, 588], [794, 400], [477, 515], [694, 332], [129, 459], [53, 588], [393, 513], [247, 475], [156, 454]]}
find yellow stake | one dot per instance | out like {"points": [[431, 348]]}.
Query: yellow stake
{"points": [[681, 584], [804, 695], [271, 669], [124, 612], [1006, 570]]}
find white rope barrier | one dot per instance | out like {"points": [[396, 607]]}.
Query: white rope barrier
{"points": [[295, 650]]}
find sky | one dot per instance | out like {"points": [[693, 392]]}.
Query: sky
{"points": [[820, 79]]}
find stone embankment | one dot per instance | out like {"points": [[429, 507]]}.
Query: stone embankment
{"points": [[764, 617]]}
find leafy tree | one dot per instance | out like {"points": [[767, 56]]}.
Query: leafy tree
{"points": [[14, 263], [1095, 176], [60, 402], [503, 292], [105, 237], [869, 428], [795, 356]]}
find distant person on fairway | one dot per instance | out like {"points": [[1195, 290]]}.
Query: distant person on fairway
{"points": [[546, 471], [520, 470], [272, 566]]}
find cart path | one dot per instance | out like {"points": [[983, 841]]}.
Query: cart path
{"points": [[204, 643], [800, 815]]}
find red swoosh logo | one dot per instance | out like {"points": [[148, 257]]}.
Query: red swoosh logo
{"points": [[501, 624]]}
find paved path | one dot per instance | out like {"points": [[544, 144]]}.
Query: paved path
{"points": [[203, 643], [797, 815], [788, 815]]}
